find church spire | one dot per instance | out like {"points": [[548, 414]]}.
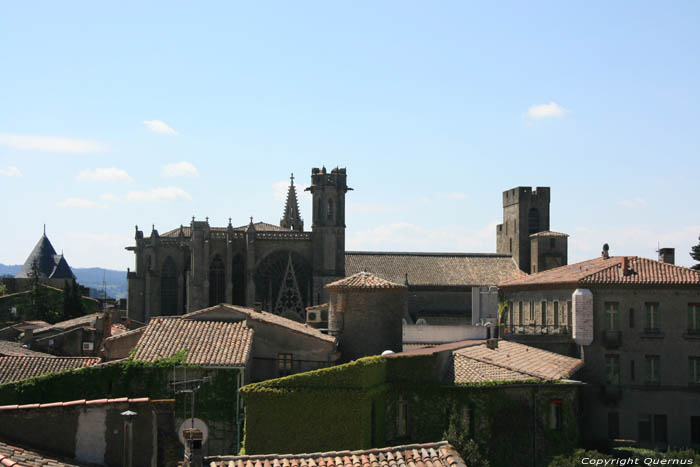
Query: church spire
{"points": [[291, 219]]}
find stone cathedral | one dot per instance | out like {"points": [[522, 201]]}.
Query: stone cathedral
{"points": [[283, 267]]}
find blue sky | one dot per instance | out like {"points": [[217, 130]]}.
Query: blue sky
{"points": [[124, 114]]}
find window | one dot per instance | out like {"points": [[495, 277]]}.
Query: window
{"points": [[652, 424], [694, 370], [612, 316], [217, 281], [693, 318], [632, 370], [168, 288], [653, 369], [284, 364], [520, 313], [510, 240], [401, 417], [612, 369], [543, 309], [569, 313], [613, 425], [695, 430], [330, 209], [510, 313], [652, 312], [467, 419], [555, 414], [532, 311], [660, 428], [556, 313], [631, 318]]}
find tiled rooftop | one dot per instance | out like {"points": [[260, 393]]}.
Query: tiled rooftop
{"points": [[364, 280], [15, 349], [79, 402], [266, 317], [259, 226], [510, 361], [11, 456], [22, 367], [434, 269], [208, 343], [86, 320], [439, 454], [609, 271]]}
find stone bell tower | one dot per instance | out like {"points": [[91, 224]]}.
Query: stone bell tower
{"points": [[328, 229]]}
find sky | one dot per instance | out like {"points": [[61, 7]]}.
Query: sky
{"points": [[148, 113]]}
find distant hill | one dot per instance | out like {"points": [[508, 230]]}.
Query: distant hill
{"points": [[88, 277]]}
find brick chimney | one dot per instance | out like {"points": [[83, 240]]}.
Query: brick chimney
{"points": [[625, 266], [107, 323], [667, 255]]}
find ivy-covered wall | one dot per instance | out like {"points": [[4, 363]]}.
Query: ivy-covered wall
{"points": [[356, 405]]}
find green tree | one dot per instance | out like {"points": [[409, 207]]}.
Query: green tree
{"points": [[469, 449], [38, 297], [3, 290], [72, 302], [695, 254]]}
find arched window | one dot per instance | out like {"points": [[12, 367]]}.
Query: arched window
{"points": [[533, 221], [168, 288], [217, 281], [238, 279], [330, 209], [510, 241]]}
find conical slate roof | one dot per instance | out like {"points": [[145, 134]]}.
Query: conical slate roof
{"points": [[49, 263]]}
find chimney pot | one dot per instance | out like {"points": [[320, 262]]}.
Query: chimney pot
{"points": [[667, 255], [257, 306]]}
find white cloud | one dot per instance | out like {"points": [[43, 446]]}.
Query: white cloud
{"points": [[281, 188], [11, 171], [161, 194], [159, 126], [111, 174], [551, 110], [109, 197], [180, 169], [50, 144], [636, 202], [78, 203]]}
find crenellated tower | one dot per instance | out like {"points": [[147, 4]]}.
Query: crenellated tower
{"points": [[328, 192]]}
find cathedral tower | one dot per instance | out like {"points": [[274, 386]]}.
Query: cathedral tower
{"points": [[525, 212], [328, 229]]}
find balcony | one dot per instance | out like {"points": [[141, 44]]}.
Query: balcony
{"points": [[612, 339], [536, 330]]}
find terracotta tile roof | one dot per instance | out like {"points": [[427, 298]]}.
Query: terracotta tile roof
{"points": [[434, 269], [124, 335], [510, 361], [208, 343], [13, 349], [364, 280], [609, 271], [266, 317], [259, 226], [79, 402], [117, 329], [440, 454], [549, 233], [86, 320], [18, 368], [11, 456]]}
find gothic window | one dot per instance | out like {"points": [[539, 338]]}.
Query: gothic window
{"points": [[330, 209], [533, 221], [238, 278], [272, 275], [168, 288], [217, 282]]}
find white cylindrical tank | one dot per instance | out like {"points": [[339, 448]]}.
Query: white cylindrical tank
{"points": [[582, 316]]}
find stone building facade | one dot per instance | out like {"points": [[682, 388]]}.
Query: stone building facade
{"points": [[526, 213], [282, 267], [642, 367]]}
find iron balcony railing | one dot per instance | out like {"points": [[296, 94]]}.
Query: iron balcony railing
{"points": [[537, 329]]}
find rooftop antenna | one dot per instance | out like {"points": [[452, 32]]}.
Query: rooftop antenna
{"points": [[188, 386]]}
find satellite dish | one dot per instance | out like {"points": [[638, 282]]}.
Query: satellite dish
{"points": [[387, 352], [190, 423]]}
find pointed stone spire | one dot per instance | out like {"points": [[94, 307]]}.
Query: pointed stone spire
{"points": [[291, 219]]}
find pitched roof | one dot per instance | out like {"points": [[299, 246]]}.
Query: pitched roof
{"points": [[85, 320], [609, 271], [364, 280], [440, 454], [12, 455], [48, 262], [265, 317], [434, 269], [208, 343], [15, 349], [549, 233], [510, 361], [17, 368]]}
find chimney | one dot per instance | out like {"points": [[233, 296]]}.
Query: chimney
{"points": [[193, 451], [606, 251], [107, 323], [257, 306], [625, 266], [667, 255], [492, 344]]}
